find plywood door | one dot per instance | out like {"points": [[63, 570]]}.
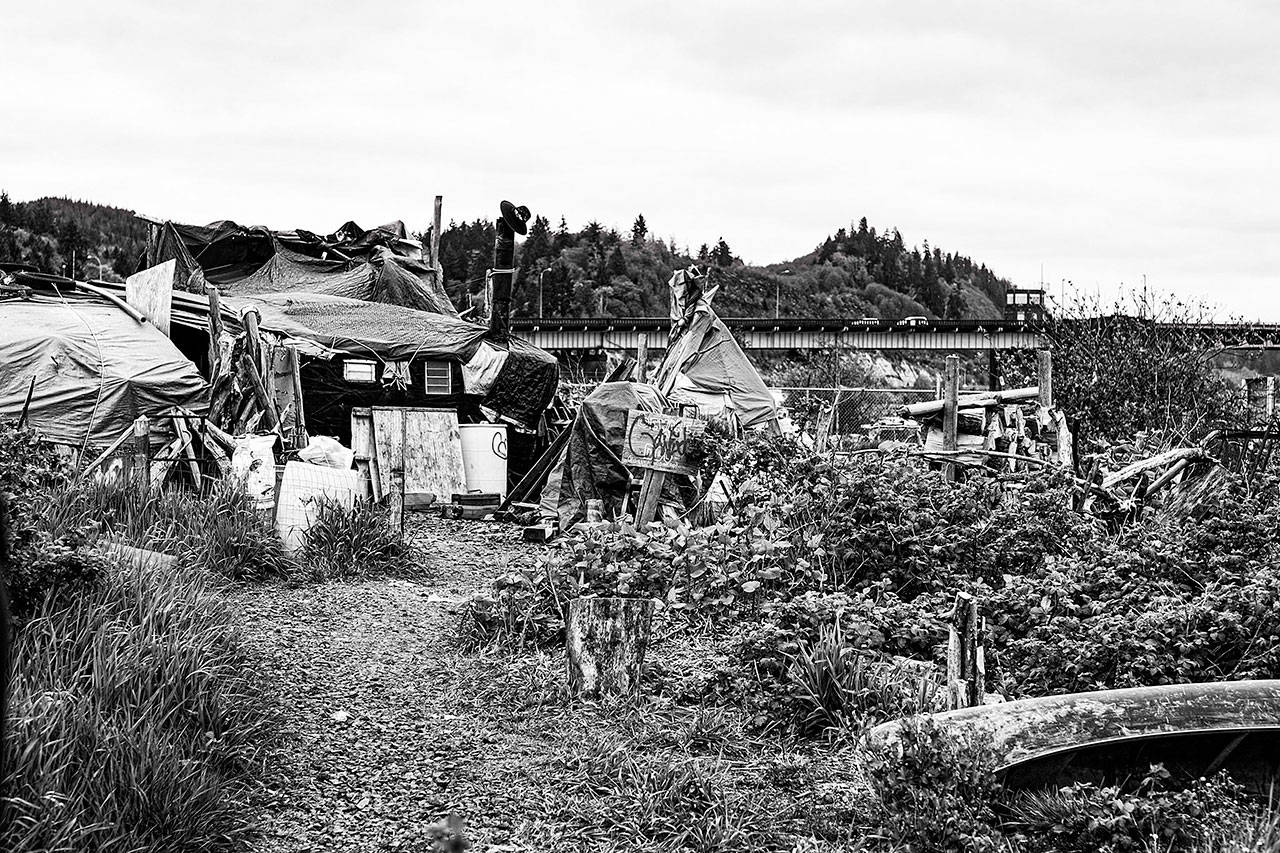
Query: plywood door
{"points": [[428, 444]]}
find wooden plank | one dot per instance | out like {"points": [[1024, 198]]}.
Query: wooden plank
{"points": [[188, 448], [1044, 362], [538, 473], [300, 412], [151, 292], [428, 446], [660, 442], [363, 444], [650, 494], [215, 334]]}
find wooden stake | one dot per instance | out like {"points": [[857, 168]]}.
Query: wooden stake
{"points": [[187, 448], [435, 233], [642, 357], [300, 437], [606, 640], [142, 451], [950, 408], [215, 334], [650, 494], [1044, 359]]}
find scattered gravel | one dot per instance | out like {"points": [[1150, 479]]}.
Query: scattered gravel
{"points": [[381, 731]]}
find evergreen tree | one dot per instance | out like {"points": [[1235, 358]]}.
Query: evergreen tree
{"points": [[6, 210], [616, 265], [722, 255], [639, 231], [704, 252]]}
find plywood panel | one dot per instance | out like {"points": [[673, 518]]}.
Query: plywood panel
{"points": [[363, 444], [428, 444], [151, 292]]}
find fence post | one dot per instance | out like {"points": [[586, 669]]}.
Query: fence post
{"points": [[142, 451], [642, 357], [951, 410], [1044, 359]]}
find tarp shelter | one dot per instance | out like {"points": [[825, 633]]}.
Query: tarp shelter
{"points": [[704, 364], [96, 368], [358, 294], [590, 468]]}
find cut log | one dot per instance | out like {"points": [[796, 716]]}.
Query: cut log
{"points": [[971, 401], [607, 639]]}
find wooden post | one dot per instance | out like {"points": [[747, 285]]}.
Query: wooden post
{"points": [[650, 494], [300, 437], [395, 500], [395, 485], [215, 334], [642, 357], [966, 655], [187, 447], [435, 233], [606, 640], [142, 451], [993, 369], [951, 409], [1044, 360]]}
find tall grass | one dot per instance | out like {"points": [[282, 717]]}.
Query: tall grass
{"points": [[351, 544], [220, 530], [136, 723]]}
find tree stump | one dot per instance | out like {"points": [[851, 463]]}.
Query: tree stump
{"points": [[607, 639]]}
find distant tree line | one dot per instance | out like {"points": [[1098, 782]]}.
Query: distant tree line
{"points": [[597, 271], [51, 234]]}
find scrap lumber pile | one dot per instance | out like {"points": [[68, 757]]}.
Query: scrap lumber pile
{"points": [[1006, 430]]}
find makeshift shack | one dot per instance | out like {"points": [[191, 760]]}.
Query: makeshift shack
{"points": [[81, 365], [358, 317]]}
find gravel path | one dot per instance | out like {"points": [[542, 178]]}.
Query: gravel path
{"points": [[385, 727]]}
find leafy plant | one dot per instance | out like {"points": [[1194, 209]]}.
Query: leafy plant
{"points": [[352, 544], [937, 789]]}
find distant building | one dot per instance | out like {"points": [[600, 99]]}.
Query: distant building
{"points": [[1024, 305]]}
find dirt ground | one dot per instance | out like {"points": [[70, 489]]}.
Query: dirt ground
{"points": [[389, 724]]}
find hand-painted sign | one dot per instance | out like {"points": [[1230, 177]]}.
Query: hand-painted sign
{"points": [[661, 442]]}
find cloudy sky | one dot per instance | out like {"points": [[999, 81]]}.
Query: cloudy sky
{"points": [[1099, 141]]}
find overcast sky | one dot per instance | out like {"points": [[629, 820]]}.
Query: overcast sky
{"points": [[1103, 141]]}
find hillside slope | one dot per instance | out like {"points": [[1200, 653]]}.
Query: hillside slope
{"points": [[592, 272]]}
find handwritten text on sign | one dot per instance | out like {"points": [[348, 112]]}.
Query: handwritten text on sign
{"points": [[660, 442]]}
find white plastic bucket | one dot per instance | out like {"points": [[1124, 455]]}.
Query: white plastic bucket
{"points": [[484, 457]]}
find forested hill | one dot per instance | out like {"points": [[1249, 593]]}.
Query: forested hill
{"points": [[48, 233], [592, 272], [598, 272]]}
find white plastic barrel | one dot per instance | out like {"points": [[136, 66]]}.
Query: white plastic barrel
{"points": [[484, 457]]}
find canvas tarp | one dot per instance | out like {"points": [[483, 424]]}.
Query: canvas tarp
{"points": [[704, 364], [590, 467], [522, 389], [96, 369], [380, 265]]}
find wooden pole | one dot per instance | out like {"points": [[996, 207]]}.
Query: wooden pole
{"points": [[1044, 360], [650, 494], [215, 334], [951, 408], [435, 233], [993, 369], [642, 357], [606, 640], [300, 437], [142, 451]]}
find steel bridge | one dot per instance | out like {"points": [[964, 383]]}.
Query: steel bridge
{"points": [[623, 333]]}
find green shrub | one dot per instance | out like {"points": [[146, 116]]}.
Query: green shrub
{"points": [[136, 721], [43, 563], [937, 789], [1084, 818], [351, 543]]}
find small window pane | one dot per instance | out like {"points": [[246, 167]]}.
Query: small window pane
{"points": [[439, 377], [359, 370]]}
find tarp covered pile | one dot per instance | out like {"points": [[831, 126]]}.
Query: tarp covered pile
{"points": [[90, 368], [361, 293]]}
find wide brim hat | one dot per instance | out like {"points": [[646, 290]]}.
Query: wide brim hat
{"points": [[516, 217]]}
